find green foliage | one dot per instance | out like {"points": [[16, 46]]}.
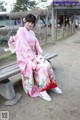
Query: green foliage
{"points": [[24, 5], [2, 7]]}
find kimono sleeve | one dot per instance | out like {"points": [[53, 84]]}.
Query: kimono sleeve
{"points": [[38, 47], [22, 46]]}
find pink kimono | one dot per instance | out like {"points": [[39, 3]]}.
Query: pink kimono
{"points": [[28, 49]]}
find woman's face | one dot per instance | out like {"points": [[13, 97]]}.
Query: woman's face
{"points": [[29, 25]]}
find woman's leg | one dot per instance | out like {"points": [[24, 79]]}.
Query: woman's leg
{"points": [[28, 82], [45, 77], [52, 77]]}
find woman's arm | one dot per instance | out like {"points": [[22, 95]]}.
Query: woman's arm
{"points": [[22, 46], [38, 48]]}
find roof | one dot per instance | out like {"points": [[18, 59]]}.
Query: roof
{"points": [[66, 6], [4, 13], [66, 2]]}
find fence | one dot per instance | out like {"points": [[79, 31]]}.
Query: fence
{"points": [[43, 33]]}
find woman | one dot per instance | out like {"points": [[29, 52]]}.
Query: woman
{"points": [[31, 62]]}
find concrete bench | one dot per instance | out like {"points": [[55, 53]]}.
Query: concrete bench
{"points": [[6, 87]]}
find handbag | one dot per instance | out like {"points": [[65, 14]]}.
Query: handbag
{"points": [[11, 44]]}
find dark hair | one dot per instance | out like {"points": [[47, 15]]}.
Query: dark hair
{"points": [[30, 18]]}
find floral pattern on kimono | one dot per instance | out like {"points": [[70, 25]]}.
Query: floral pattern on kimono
{"points": [[27, 49]]}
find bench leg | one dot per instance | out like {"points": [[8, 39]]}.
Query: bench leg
{"points": [[7, 91], [51, 64]]}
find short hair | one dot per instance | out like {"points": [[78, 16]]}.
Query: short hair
{"points": [[31, 18]]}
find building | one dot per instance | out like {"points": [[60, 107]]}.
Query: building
{"points": [[4, 19]]}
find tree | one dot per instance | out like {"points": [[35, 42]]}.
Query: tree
{"points": [[23, 5], [2, 7]]}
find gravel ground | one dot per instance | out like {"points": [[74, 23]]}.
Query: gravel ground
{"points": [[67, 71]]}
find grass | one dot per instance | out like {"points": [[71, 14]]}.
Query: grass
{"points": [[7, 59]]}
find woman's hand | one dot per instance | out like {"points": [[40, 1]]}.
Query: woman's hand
{"points": [[35, 60], [40, 58]]}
